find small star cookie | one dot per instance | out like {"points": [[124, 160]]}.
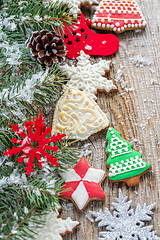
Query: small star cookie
{"points": [[83, 184], [89, 77], [78, 114]]}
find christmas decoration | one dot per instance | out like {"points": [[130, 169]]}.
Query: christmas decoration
{"points": [[78, 114], [37, 132], [75, 5], [80, 37], [89, 22], [88, 77], [47, 47], [118, 16], [25, 89], [55, 227], [124, 223], [124, 164], [82, 184]]}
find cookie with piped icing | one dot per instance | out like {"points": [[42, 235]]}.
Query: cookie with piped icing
{"points": [[78, 115], [82, 184], [124, 163], [118, 16]]}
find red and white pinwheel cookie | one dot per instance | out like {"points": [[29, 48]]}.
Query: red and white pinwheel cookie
{"points": [[82, 184]]}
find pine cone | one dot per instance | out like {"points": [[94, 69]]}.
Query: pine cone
{"points": [[47, 47]]}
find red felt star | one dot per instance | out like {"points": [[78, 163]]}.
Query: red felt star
{"points": [[82, 184], [34, 145]]}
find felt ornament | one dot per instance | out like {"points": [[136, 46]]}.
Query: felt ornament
{"points": [[82, 38], [118, 16], [33, 144], [82, 184], [125, 164], [125, 223]]}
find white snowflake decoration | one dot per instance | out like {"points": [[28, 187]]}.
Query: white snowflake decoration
{"points": [[75, 4], [124, 223], [89, 77]]}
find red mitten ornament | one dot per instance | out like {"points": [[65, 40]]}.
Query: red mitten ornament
{"points": [[82, 38]]}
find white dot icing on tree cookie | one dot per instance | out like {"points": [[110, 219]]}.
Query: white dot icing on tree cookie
{"points": [[89, 77], [123, 161], [83, 184], [78, 114], [117, 13]]}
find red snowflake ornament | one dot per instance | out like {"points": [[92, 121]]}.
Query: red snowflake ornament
{"points": [[37, 133]]}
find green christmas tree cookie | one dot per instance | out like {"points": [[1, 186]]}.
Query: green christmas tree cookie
{"points": [[125, 164]]}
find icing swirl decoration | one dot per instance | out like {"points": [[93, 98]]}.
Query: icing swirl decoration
{"points": [[118, 16], [89, 77], [123, 162], [78, 115]]}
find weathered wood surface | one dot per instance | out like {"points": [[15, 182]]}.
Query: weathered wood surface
{"points": [[134, 111]]}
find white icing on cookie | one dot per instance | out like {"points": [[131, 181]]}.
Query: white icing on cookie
{"points": [[88, 77], [78, 115], [94, 175], [130, 165], [54, 227], [69, 173], [80, 196]]}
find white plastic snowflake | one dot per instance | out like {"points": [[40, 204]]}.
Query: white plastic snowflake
{"points": [[89, 77], [124, 223], [75, 4]]}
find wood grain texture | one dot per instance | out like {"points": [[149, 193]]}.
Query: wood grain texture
{"points": [[135, 112]]}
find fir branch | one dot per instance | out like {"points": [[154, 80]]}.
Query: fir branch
{"points": [[21, 203], [42, 88], [22, 222], [19, 20], [37, 15]]}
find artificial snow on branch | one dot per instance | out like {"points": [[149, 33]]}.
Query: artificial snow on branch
{"points": [[17, 98]]}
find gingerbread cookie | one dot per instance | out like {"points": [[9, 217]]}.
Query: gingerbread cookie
{"points": [[118, 16], [78, 114], [55, 227], [125, 164], [82, 184], [75, 5], [89, 77]]}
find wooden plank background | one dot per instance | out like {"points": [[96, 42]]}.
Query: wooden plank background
{"points": [[134, 111]]}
